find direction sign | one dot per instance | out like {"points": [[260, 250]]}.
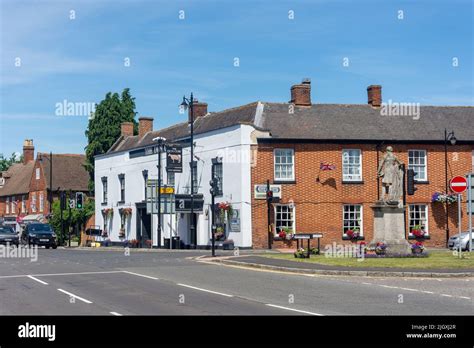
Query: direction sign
{"points": [[260, 191], [458, 184]]}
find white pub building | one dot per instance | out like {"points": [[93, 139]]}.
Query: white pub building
{"points": [[222, 144]]}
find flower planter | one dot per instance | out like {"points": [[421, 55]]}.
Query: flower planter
{"points": [[228, 246]]}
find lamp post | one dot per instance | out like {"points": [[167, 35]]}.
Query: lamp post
{"points": [[189, 103], [161, 144], [50, 197], [452, 139]]}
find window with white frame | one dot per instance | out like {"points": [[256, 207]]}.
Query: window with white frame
{"points": [[33, 202], [23, 204], [284, 162], [417, 162], [351, 165], [41, 199], [104, 190], [418, 217], [13, 206], [7, 206], [218, 173], [352, 218], [122, 187], [284, 217], [37, 173]]}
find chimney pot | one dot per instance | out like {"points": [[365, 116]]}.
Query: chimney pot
{"points": [[301, 93], [145, 125], [28, 151], [199, 110], [127, 129], [374, 95]]}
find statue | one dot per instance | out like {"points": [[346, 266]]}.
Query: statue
{"points": [[391, 172]]}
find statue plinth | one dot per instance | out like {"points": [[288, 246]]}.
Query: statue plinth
{"points": [[389, 227]]}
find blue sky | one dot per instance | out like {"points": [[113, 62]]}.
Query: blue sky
{"points": [[81, 59]]}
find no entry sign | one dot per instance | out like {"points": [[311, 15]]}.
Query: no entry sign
{"points": [[458, 184]]}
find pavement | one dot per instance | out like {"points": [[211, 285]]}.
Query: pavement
{"points": [[86, 282], [315, 268]]}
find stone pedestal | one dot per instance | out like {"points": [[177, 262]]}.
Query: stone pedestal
{"points": [[389, 227]]}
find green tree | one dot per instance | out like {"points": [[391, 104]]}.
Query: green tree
{"points": [[5, 163], [79, 217], [104, 126]]}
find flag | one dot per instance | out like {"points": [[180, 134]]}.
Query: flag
{"points": [[326, 166]]}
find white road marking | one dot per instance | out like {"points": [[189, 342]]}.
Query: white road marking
{"points": [[75, 296], [446, 295], [116, 314], [141, 275], [58, 274], [390, 287], [427, 292], [294, 310], [465, 297], [38, 280], [205, 290], [408, 289]]}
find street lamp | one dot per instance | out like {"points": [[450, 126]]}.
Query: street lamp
{"points": [[161, 145], [452, 139], [189, 103], [50, 197]]}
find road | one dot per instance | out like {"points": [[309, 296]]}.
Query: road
{"points": [[88, 282]]}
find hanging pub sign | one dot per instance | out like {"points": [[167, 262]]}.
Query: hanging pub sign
{"points": [[174, 159]]}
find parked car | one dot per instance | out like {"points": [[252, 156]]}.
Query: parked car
{"points": [[453, 242], [39, 234], [8, 235]]}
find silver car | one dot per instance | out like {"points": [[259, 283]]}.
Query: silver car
{"points": [[453, 242]]}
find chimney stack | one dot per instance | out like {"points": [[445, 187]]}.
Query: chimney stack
{"points": [[127, 129], [200, 109], [301, 93], [374, 95], [145, 125], [28, 151]]}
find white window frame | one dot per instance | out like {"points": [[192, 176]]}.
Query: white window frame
{"points": [[33, 202], [275, 231], [361, 224], [105, 190], [417, 177], [347, 177], [427, 231], [7, 205], [277, 178], [41, 201], [13, 205], [23, 204], [37, 173]]}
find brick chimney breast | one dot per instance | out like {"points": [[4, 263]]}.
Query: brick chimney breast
{"points": [[301, 93], [145, 125], [28, 151], [374, 95], [200, 109], [127, 129]]}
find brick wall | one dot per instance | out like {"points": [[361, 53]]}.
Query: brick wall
{"points": [[319, 205], [38, 186]]}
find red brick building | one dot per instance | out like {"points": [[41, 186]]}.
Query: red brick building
{"points": [[297, 137], [26, 186]]}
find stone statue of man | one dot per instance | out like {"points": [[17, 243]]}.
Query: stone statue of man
{"points": [[391, 172]]}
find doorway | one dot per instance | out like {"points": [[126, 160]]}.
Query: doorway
{"points": [[144, 232]]}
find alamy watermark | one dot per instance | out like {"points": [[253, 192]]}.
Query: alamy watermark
{"points": [[344, 251], [68, 108], [20, 252], [400, 109]]}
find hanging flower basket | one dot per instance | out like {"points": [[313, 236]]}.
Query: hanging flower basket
{"points": [[126, 211], [418, 231], [353, 234], [443, 198], [108, 212], [225, 208]]}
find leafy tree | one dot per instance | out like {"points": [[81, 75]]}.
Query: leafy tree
{"points": [[79, 217], [5, 163], [104, 126]]}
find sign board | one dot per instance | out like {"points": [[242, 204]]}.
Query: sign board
{"points": [[152, 190], [303, 236], [174, 159], [470, 194], [183, 203], [458, 184], [234, 222], [167, 205], [260, 191]]}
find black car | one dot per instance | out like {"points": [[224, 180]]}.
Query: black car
{"points": [[8, 235], [39, 234]]}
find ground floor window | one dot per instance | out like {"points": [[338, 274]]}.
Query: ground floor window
{"points": [[352, 218], [418, 217], [284, 218]]}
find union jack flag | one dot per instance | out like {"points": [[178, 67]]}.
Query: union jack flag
{"points": [[326, 166]]}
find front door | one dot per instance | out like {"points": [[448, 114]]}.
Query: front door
{"points": [[143, 226]]}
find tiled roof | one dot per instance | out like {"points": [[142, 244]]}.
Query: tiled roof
{"points": [[331, 122], [19, 178], [68, 171]]}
